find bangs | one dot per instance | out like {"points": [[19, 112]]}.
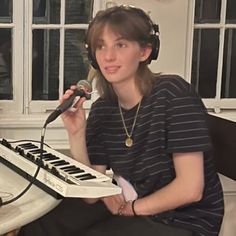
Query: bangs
{"points": [[130, 28]]}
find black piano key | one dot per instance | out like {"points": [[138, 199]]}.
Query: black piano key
{"points": [[17, 148], [69, 181], [30, 156], [45, 155], [54, 171], [76, 168], [76, 171], [48, 156], [5, 143], [39, 162], [83, 176], [21, 152], [56, 162], [62, 164], [68, 168], [51, 158], [59, 163], [88, 177], [37, 151], [46, 167], [27, 146]]}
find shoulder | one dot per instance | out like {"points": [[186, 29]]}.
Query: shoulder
{"points": [[174, 82], [173, 86], [102, 107], [101, 104]]}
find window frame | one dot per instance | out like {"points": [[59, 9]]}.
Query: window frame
{"points": [[216, 104], [48, 106], [15, 105]]}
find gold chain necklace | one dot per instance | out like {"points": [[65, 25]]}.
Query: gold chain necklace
{"points": [[129, 141]]}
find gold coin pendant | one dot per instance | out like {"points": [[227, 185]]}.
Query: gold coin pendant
{"points": [[129, 142]]}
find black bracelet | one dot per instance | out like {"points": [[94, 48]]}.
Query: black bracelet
{"points": [[132, 205]]}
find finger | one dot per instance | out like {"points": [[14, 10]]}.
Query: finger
{"points": [[73, 87], [80, 102], [66, 95]]}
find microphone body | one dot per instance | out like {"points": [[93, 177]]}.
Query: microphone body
{"points": [[69, 102], [83, 90]]}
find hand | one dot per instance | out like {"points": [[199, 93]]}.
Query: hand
{"points": [[73, 120], [126, 210], [113, 203]]}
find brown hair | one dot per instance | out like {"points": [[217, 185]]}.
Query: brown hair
{"points": [[132, 24]]}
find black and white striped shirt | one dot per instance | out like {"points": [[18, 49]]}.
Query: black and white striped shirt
{"points": [[171, 119]]}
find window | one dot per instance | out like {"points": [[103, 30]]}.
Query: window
{"points": [[42, 51], [6, 30], [214, 53]]}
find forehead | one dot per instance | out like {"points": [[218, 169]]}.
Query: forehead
{"points": [[110, 33]]}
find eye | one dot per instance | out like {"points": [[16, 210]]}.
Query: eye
{"points": [[100, 47], [121, 45]]}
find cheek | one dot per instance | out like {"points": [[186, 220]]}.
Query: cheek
{"points": [[133, 60], [134, 57], [97, 57]]}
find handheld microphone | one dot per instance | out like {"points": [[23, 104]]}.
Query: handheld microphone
{"points": [[84, 89]]}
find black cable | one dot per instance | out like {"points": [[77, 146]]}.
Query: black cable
{"points": [[2, 203], [28, 140]]}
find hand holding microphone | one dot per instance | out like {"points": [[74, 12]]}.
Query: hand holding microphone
{"points": [[84, 89]]}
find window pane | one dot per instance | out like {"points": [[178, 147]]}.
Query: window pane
{"points": [[207, 11], [5, 64], [46, 11], [5, 11], [45, 74], [205, 61], [76, 63], [229, 68], [78, 11], [231, 11]]}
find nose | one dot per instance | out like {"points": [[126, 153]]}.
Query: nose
{"points": [[110, 54]]}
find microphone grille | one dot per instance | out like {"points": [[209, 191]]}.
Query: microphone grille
{"points": [[84, 84]]}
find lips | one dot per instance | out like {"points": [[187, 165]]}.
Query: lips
{"points": [[111, 69]]}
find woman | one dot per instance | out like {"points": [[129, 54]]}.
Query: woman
{"points": [[150, 130]]}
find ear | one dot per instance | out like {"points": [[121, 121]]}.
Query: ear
{"points": [[145, 53]]}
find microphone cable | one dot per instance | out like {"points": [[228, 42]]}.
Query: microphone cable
{"points": [[33, 179]]}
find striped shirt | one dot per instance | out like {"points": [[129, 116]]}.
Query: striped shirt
{"points": [[170, 120]]}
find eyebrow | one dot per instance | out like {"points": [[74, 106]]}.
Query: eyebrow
{"points": [[117, 39]]}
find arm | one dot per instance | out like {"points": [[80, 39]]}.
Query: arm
{"points": [[75, 124], [186, 188]]}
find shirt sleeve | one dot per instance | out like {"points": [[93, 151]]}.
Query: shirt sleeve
{"points": [[187, 129], [95, 146]]}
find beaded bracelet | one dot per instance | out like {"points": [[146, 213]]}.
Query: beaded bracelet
{"points": [[120, 210], [132, 205]]}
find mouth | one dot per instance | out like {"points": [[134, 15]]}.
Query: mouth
{"points": [[111, 69]]}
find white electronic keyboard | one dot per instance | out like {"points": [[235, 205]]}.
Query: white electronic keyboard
{"points": [[59, 175]]}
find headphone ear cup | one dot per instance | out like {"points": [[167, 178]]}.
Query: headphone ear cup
{"points": [[92, 59], [155, 41]]}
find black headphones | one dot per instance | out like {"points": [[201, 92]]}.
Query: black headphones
{"points": [[153, 39]]}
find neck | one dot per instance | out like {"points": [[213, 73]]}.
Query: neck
{"points": [[128, 95]]}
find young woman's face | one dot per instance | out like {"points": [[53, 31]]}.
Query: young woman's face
{"points": [[119, 58]]}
